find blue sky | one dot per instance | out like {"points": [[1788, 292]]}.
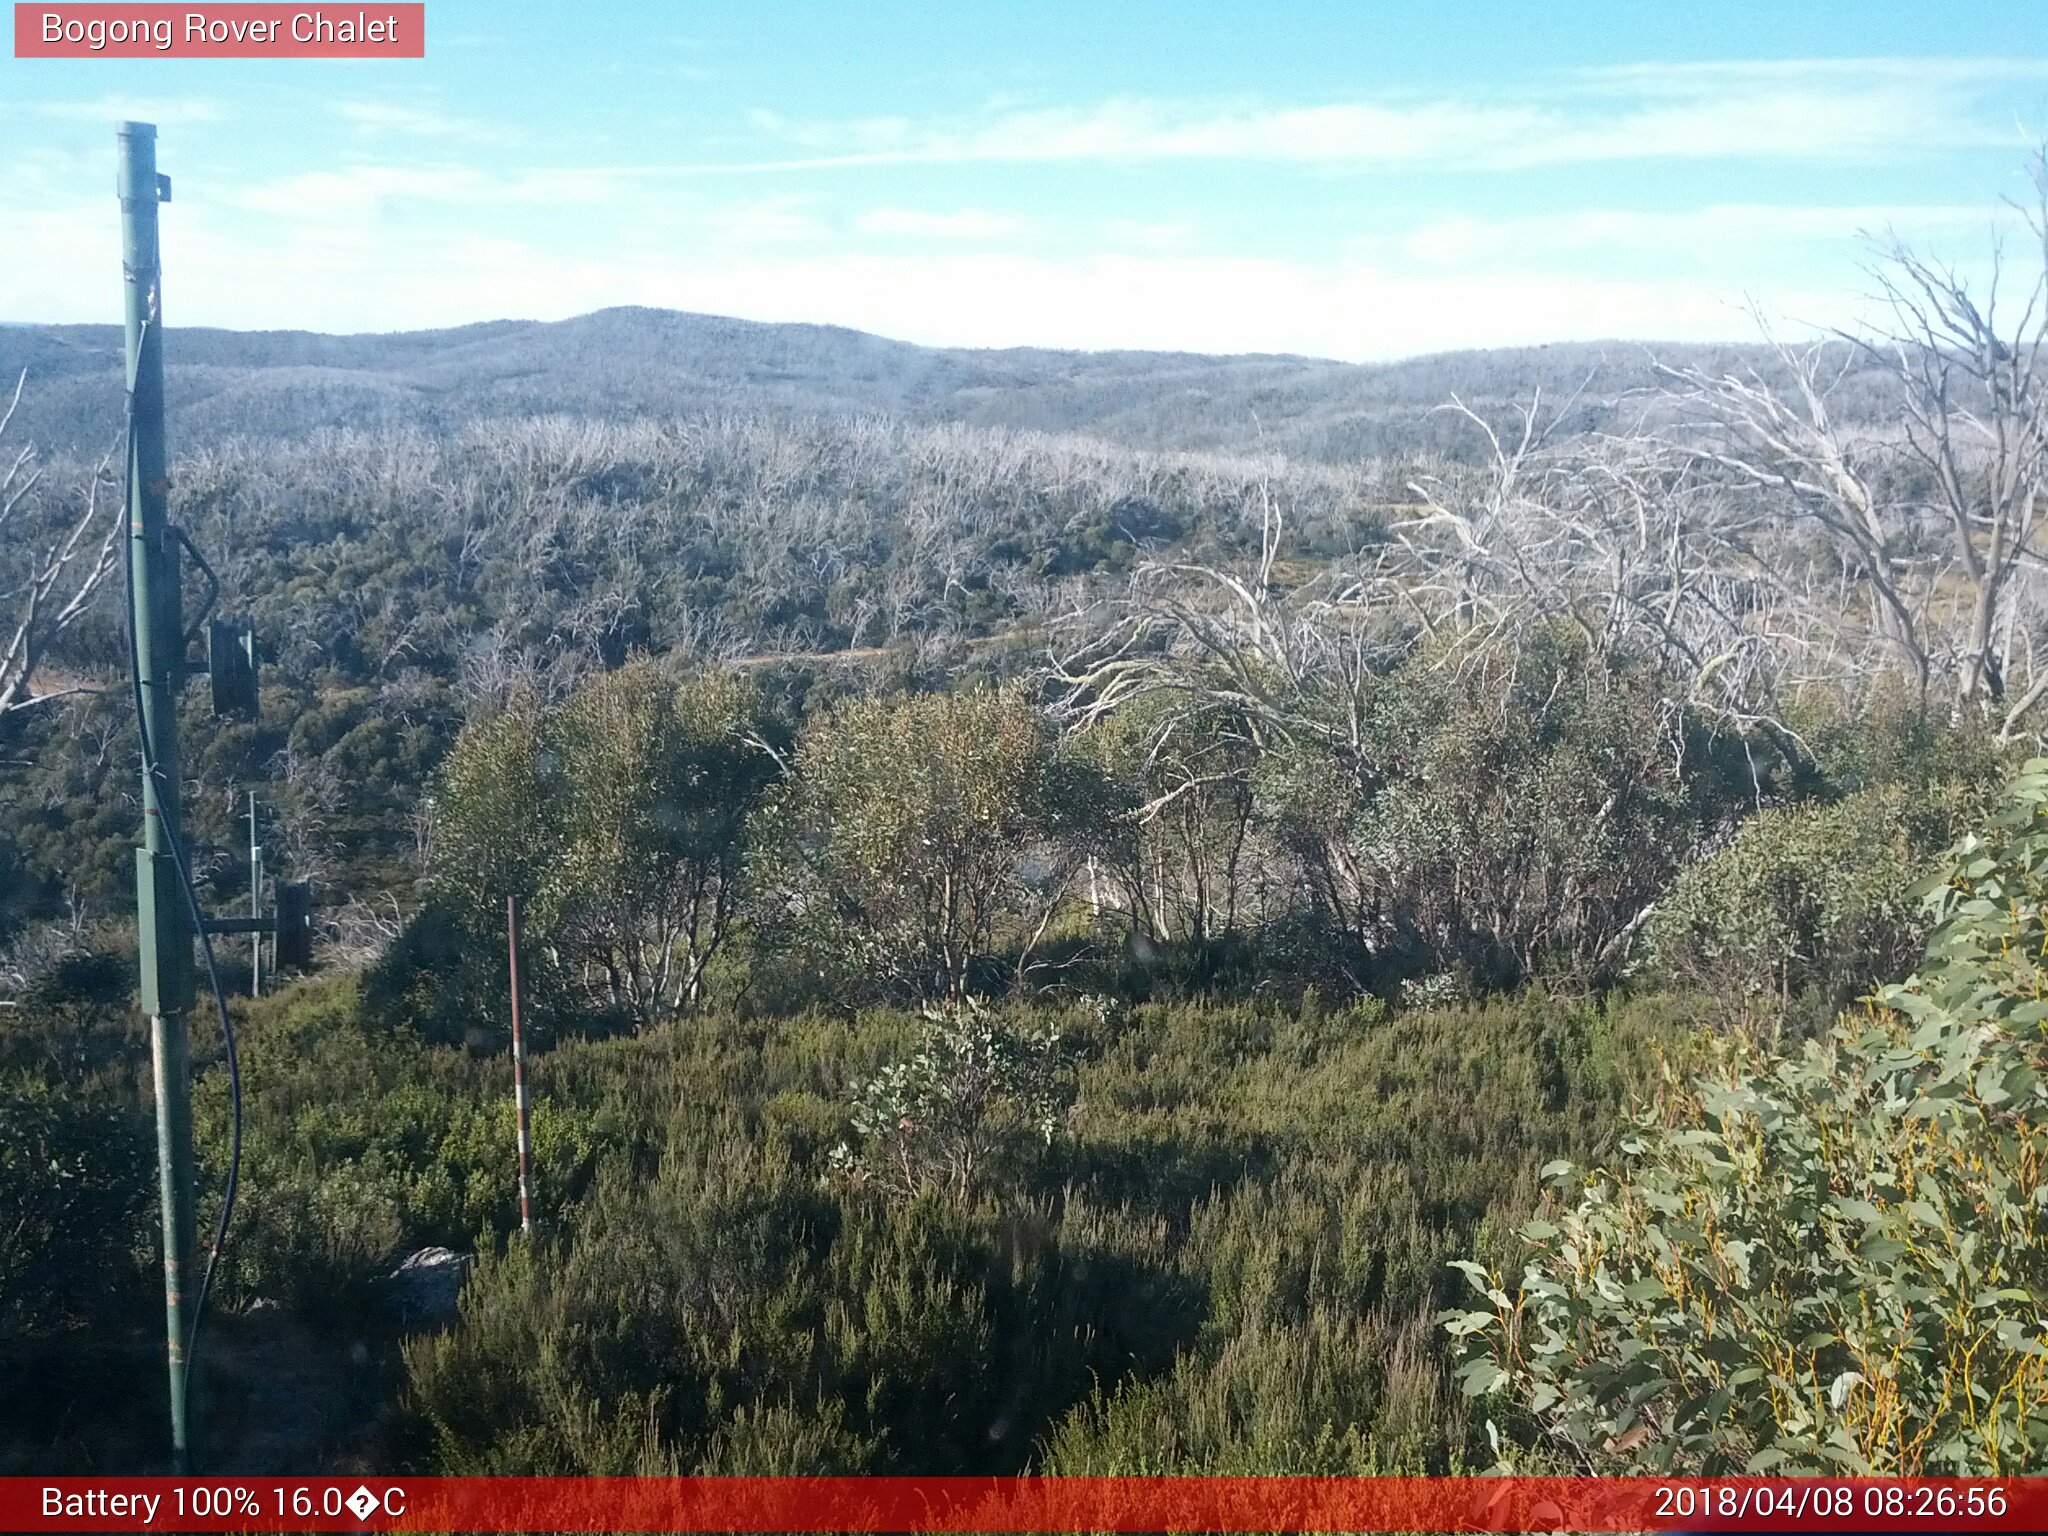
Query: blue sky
{"points": [[1356, 180]]}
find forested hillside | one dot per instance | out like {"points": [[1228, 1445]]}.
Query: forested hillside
{"points": [[624, 364], [1072, 907]]}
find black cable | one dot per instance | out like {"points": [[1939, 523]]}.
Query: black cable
{"points": [[165, 797]]}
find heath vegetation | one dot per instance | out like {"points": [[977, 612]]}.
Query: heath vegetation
{"points": [[1061, 937]]}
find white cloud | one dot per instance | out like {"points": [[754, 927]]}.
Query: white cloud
{"points": [[380, 247], [164, 111], [773, 221], [312, 277], [1715, 235], [1151, 234], [1818, 110], [1685, 77], [966, 224], [383, 117], [357, 194]]}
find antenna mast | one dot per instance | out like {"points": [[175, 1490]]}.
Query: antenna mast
{"points": [[163, 933]]}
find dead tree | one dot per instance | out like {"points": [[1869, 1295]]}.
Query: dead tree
{"points": [[1641, 551], [53, 567], [1935, 519], [1277, 662]]}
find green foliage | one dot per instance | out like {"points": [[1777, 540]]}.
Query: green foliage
{"points": [[915, 836], [1806, 899], [1499, 822], [1892, 739], [1237, 1236], [1224, 1263], [78, 1253], [746, 1301], [1989, 905], [1828, 1262], [1810, 903], [618, 816], [1335, 1396], [1227, 1262], [1181, 856], [361, 1143], [492, 813], [976, 1096], [75, 1191], [655, 782]]}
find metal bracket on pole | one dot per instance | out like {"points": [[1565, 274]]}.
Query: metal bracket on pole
{"points": [[231, 666], [291, 925], [167, 985]]}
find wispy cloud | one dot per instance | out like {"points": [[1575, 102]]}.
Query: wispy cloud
{"points": [[755, 265], [772, 221], [1920, 72], [360, 193], [916, 224], [383, 117], [1780, 110], [164, 111], [1689, 236]]}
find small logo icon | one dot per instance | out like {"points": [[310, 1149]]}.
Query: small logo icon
{"points": [[362, 1501]]}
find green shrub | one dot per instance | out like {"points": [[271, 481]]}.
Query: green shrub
{"points": [[617, 817], [918, 839], [785, 1440], [1340, 1395], [959, 1113], [1811, 899], [362, 1143], [75, 1201], [1496, 823], [1240, 1237], [1832, 1262], [683, 1317]]}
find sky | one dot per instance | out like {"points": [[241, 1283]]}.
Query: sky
{"points": [[1355, 180]]}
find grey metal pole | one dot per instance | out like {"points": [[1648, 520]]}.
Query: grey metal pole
{"points": [[163, 931], [519, 1071], [255, 902]]}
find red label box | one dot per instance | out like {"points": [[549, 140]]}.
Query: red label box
{"points": [[366, 29], [1057, 1506]]}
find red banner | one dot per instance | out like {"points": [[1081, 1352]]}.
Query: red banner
{"points": [[211, 31], [1041, 1504]]}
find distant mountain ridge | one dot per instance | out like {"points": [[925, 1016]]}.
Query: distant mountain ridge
{"points": [[618, 363]]}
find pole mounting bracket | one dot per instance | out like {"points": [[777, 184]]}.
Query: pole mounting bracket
{"points": [[291, 923]]}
